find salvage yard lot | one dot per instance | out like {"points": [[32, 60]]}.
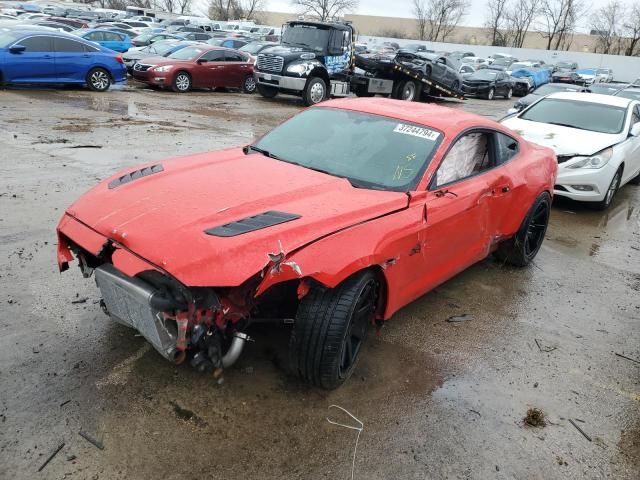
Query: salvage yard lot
{"points": [[442, 392]]}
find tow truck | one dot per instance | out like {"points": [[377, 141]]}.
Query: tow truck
{"points": [[317, 60]]}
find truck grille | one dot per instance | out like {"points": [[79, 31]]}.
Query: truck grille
{"points": [[270, 63]]}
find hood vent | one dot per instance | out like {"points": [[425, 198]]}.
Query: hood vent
{"points": [[129, 177], [251, 224]]}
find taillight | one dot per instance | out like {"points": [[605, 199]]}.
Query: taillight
{"points": [[119, 58]]}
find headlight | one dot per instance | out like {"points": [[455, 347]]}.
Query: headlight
{"points": [[163, 68], [598, 160], [299, 68]]}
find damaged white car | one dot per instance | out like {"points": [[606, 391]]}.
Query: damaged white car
{"points": [[596, 139]]}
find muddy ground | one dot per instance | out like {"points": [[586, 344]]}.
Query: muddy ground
{"points": [[438, 399]]}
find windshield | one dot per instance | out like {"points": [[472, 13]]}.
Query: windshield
{"points": [[566, 65], [632, 94], [552, 88], [594, 117], [145, 36], [484, 75], [188, 53], [252, 47], [306, 35], [370, 151], [163, 48]]}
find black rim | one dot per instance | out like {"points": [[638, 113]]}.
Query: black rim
{"points": [[356, 333], [536, 230]]}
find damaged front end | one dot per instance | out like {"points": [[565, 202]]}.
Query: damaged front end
{"points": [[204, 325], [174, 319]]}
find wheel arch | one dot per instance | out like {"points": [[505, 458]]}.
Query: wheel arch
{"points": [[320, 73]]}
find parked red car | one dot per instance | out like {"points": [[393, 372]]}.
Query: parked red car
{"points": [[332, 221], [198, 67]]}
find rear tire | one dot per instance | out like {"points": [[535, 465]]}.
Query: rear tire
{"points": [[522, 248], [266, 91], [249, 84], [330, 329], [98, 80], [315, 91], [181, 82], [406, 90]]}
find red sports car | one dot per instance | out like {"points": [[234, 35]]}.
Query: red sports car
{"points": [[332, 221], [199, 66]]}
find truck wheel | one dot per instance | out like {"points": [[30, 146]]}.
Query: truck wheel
{"points": [[522, 248], [267, 92], [314, 92], [330, 329], [407, 90]]}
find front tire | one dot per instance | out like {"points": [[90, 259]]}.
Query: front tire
{"points": [[98, 80], [315, 91], [522, 248], [330, 329], [611, 192], [266, 91], [181, 82], [249, 84], [509, 94], [491, 93]]}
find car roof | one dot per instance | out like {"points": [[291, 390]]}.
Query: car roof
{"points": [[593, 98], [448, 120]]}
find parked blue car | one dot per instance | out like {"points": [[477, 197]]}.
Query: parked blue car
{"points": [[37, 57], [528, 79], [116, 41]]}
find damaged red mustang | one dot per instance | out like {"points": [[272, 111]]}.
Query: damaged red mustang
{"points": [[332, 221]]}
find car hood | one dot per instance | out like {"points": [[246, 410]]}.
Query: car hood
{"points": [[163, 61], [288, 52], [562, 140], [163, 217]]}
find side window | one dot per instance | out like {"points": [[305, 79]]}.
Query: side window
{"points": [[36, 44], [95, 37], [66, 45], [233, 57], [468, 156], [506, 147], [213, 56], [112, 37], [636, 115]]}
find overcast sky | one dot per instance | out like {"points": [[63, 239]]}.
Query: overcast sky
{"points": [[403, 8]]}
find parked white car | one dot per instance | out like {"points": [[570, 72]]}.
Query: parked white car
{"points": [[605, 74], [596, 139]]}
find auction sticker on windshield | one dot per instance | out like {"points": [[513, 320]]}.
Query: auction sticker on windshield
{"points": [[421, 132]]}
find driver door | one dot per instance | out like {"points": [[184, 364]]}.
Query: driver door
{"points": [[35, 64], [209, 70], [458, 207]]}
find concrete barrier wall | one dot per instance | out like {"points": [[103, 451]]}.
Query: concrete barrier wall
{"points": [[625, 69]]}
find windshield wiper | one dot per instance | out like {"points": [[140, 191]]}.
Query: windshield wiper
{"points": [[566, 125], [266, 153]]}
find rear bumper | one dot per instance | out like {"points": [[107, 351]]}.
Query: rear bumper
{"points": [[280, 81]]}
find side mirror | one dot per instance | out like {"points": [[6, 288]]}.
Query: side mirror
{"points": [[635, 130], [17, 49], [202, 60]]}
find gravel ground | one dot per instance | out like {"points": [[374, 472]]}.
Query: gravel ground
{"points": [[438, 399]]}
